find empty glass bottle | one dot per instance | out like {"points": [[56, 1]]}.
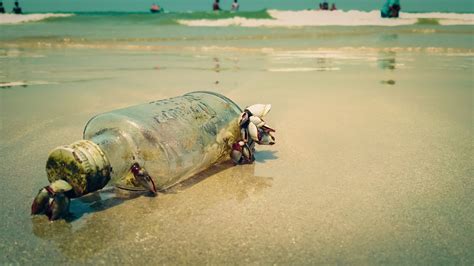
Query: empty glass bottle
{"points": [[172, 139]]}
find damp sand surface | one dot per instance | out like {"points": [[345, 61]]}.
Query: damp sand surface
{"points": [[373, 161]]}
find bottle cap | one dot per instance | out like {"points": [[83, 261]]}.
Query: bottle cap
{"points": [[82, 164]]}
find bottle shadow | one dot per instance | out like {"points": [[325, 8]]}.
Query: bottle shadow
{"points": [[199, 177], [263, 156], [99, 201], [387, 60], [228, 181], [112, 196]]}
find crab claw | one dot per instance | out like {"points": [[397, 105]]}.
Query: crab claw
{"points": [[60, 186], [266, 138], [267, 129], [261, 135], [259, 109], [257, 121], [260, 124], [244, 133], [58, 206], [143, 178], [236, 153], [244, 118], [253, 131], [241, 153], [40, 202], [52, 201]]}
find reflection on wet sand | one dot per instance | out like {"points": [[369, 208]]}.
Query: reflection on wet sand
{"points": [[101, 226], [235, 182], [267, 155], [388, 37], [387, 60], [216, 68], [325, 64], [388, 82]]}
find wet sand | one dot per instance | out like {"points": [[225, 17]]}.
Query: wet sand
{"points": [[373, 161]]}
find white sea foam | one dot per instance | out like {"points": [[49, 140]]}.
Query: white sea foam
{"points": [[16, 19], [12, 84], [333, 18], [317, 54], [24, 83], [347, 52], [303, 69]]}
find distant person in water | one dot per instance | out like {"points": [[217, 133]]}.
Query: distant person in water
{"points": [[390, 9], [215, 6], [155, 8], [17, 8], [2, 9], [333, 7], [235, 6], [324, 5]]}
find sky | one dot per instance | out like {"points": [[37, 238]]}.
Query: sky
{"points": [[31, 6]]}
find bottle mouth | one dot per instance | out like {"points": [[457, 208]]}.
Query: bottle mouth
{"points": [[82, 164]]}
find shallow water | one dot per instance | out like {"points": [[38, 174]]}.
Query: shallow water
{"points": [[373, 161]]}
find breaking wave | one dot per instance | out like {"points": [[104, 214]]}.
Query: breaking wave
{"points": [[167, 18], [334, 18], [261, 18], [23, 83], [17, 19], [303, 69]]}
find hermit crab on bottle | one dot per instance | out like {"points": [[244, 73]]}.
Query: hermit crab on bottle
{"points": [[253, 129], [151, 147]]}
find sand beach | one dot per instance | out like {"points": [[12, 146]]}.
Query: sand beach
{"points": [[373, 156]]}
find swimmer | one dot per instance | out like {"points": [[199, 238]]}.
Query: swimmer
{"points": [[17, 8], [215, 6], [155, 8], [390, 9], [325, 5], [235, 6]]}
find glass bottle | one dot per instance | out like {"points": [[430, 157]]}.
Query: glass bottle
{"points": [[171, 139]]}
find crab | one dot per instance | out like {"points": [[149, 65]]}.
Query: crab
{"points": [[253, 129], [52, 200]]}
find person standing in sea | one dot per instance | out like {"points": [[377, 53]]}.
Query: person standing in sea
{"points": [[324, 5], [390, 9], [235, 6], [215, 6], [17, 8], [2, 9]]}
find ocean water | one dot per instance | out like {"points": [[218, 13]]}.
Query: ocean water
{"points": [[373, 161], [34, 6]]}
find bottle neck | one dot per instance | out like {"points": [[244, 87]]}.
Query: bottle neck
{"points": [[82, 164], [118, 149]]}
